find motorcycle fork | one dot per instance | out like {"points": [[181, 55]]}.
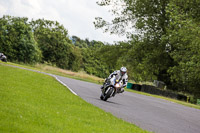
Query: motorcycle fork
{"points": [[114, 93]]}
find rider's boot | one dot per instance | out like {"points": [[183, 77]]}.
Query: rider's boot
{"points": [[121, 90]]}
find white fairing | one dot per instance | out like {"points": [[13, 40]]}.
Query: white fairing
{"points": [[112, 80], [118, 76]]}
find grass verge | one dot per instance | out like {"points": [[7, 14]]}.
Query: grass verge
{"points": [[66, 73], [89, 78], [32, 102]]}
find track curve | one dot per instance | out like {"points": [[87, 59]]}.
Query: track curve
{"points": [[152, 114], [149, 113]]}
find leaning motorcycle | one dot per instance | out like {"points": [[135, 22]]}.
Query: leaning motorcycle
{"points": [[3, 57], [110, 88]]}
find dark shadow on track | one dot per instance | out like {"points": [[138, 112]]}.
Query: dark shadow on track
{"points": [[107, 101]]}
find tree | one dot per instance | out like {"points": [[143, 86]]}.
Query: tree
{"points": [[75, 59], [149, 20], [17, 40], [166, 46], [53, 41], [79, 43], [92, 63], [142, 15], [113, 55], [184, 39]]}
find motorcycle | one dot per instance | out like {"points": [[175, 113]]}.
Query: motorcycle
{"points": [[3, 57], [111, 88]]}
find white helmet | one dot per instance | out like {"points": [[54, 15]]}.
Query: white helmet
{"points": [[123, 70]]}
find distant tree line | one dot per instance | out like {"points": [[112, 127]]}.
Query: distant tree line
{"points": [[45, 41]]}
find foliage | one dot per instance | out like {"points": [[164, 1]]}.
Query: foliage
{"points": [[144, 15], [113, 55], [79, 43], [75, 59], [184, 40], [164, 36], [147, 59], [17, 40], [53, 42], [48, 42], [92, 63]]}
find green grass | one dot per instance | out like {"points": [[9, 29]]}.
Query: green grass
{"points": [[90, 78], [31, 102], [66, 73]]}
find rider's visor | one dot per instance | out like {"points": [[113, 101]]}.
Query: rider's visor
{"points": [[123, 73]]}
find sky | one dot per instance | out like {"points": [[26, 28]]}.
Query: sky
{"points": [[77, 16]]}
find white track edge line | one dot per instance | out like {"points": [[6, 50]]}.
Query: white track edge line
{"points": [[46, 74], [63, 84]]}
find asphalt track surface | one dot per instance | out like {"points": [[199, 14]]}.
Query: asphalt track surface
{"points": [[149, 113], [152, 114]]}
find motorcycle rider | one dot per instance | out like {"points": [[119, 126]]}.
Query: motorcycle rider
{"points": [[3, 57], [122, 73]]}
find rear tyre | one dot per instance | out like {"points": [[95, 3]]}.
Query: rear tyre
{"points": [[4, 60]]}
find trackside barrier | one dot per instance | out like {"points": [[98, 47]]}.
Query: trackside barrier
{"points": [[154, 90], [129, 85]]}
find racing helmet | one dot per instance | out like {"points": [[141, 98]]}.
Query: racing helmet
{"points": [[123, 70]]}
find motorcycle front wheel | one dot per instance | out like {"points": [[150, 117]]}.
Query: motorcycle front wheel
{"points": [[107, 94], [101, 97]]}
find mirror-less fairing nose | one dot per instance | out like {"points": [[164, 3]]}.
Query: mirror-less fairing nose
{"points": [[111, 88]]}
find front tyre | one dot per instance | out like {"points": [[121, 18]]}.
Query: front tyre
{"points": [[108, 94], [101, 97]]}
